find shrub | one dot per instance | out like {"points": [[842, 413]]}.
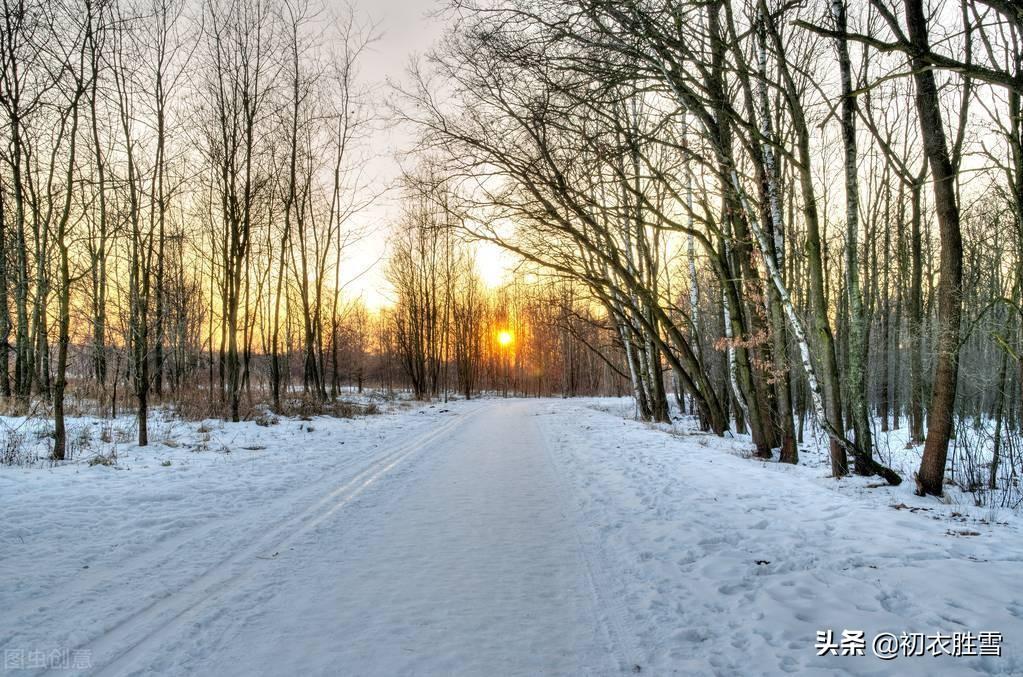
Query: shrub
{"points": [[104, 459], [79, 441], [13, 450], [266, 419]]}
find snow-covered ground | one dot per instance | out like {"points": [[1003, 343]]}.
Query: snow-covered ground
{"points": [[494, 537]]}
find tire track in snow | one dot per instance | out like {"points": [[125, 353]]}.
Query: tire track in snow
{"points": [[143, 564], [139, 629], [619, 631]]}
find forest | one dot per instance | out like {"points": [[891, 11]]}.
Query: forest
{"points": [[784, 218]]}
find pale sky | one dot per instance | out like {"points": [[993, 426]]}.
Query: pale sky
{"points": [[404, 31]]}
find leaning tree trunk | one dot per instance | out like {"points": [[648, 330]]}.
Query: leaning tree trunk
{"points": [[820, 322]]}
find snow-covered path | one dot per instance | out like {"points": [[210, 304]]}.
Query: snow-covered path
{"points": [[458, 561], [442, 548], [502, 537]]}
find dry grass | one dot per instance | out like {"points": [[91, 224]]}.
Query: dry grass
{"points": [[194, 404], [104, 459], [14, 450], [31, 438], [12, 406], [305, 407]]}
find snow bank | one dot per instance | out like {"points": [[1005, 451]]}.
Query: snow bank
{"points": [[722, 564]]}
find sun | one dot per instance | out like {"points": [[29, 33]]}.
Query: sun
{"points": [[505, 337]]}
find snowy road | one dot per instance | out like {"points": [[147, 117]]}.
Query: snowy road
{"points": [[521, 537], [450, 555], [447, 549], [460, 561]]}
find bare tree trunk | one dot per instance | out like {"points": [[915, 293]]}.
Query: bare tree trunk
{"points": [[79, 87], [949, 295], [916, 318], [856, 368], [996, 452], [15, 78], [5, 311], [789, 451]]}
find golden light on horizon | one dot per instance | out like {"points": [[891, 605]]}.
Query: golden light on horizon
{"points": [[505, 338]]}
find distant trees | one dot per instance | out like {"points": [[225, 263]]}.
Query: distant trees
{"points": [[451, 334], [440, 311], [416, 271]]}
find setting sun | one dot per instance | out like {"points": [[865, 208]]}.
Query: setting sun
{"points": [[505, 337]]}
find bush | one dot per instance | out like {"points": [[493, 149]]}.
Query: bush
{"points": [[195, 404], [12, 406], [266, 419], [104, 459], [13, 450], [345, 409], [79, 441], [305, 407], [203, 443]]}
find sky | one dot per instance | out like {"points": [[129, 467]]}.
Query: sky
{"points": [[405, 29]]}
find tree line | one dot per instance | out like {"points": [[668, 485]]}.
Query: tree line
{"points": [[178, 178], [785, 209]]}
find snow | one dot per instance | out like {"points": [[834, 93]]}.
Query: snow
{"points": [[838, 555], [511, 537]]}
